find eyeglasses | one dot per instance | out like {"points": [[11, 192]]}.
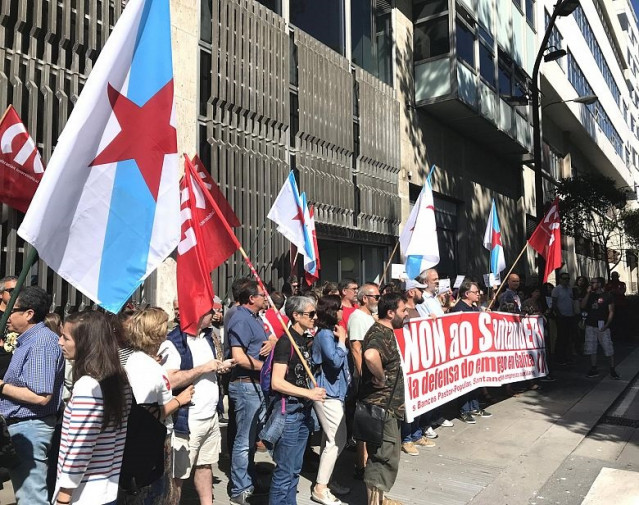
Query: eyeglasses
{"points": [[260, 294], [9, 290], [377, 297], [473, 292], [310, 314], [19, 309]]}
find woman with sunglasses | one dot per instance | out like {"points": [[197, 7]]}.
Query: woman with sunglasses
{"points": [[290, 380], [95, 419], [330, 353]]}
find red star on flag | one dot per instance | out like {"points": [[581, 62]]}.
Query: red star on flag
{"points": [[146, 134], [496, 238]]}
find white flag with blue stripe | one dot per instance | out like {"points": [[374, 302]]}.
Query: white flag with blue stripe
{"points": [[107, 211], [492, 242], [418, 242]]}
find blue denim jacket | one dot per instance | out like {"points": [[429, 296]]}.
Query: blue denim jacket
{"points": [[332, 356]]}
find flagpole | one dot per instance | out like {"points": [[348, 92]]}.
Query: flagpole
{"points": [[507, 275], [30, 260], [390, 260], [5, 113], [228, 229]]}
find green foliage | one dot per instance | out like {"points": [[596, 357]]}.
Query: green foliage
{"points": [[631, 226], [590, 206]]}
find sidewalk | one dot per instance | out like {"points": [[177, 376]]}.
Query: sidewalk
{"points": [[515, 457]]}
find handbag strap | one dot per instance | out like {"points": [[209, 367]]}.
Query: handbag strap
{"points": [[390, 398]]}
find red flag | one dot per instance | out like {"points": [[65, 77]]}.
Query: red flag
{"points": [[313, 276], [205, 245], [20, 164], [222, 203], [546, 239]]}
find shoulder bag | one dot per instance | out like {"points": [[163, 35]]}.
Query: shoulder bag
{"points": [[368, 421]]}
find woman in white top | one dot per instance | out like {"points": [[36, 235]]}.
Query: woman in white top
{"points": [[95, 419], [145, 330]]}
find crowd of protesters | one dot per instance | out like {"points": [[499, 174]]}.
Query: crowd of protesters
{"points": [[104, 409]]}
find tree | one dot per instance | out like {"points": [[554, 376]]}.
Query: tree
{"points": [[592, 207], [631, 227]]}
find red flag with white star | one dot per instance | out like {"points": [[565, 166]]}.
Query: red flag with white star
{"points": [[546, 239], [20, 164]]}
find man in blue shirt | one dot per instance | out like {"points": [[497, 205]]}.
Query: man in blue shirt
{"points": [[249, 344], [30, 395]]}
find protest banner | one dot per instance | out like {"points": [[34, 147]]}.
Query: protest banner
{"points": [[447, 357]]}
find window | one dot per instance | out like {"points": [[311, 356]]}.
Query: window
{"points": [[505, 77], [424, 8], [371, 37], [321, 20], [487, 64], [274, 5], [530, 13], [465, 43], [431, 38]]}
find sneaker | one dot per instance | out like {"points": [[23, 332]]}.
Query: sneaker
{"points": [[242, 498], [467, 417], [424, 442], [325, 497], [446, 423], [339, 489], [593, 373], [410, 449], [481, 413], [430, 433], [614, 374]]}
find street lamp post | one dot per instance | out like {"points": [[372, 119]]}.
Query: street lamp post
{"points": [[562, 8]]}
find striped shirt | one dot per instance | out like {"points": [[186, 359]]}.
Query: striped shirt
{"points": [[89, 460], [37, 364]]}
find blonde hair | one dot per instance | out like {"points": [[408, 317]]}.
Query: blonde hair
{"points": [[146, 329]]}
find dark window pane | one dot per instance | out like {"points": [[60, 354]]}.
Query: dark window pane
{"points": [[431, 38], [530, 12], [322, 20], [205, 21], [465, 44], [486, 64], [505, 80], [274, 5], [428, 8], [371, 37], [205, 81]]}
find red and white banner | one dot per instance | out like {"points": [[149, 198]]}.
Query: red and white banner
{"points": [[20, 164], [447, 357]]}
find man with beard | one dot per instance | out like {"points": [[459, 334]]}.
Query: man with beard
{"points": [[412, 433], [383, 379]]}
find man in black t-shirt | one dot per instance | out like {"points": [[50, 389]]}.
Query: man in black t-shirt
{"points": [[600, 309]]}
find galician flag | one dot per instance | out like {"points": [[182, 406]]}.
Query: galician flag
{"points": [[107, 211], [288, 213], [311, 267], [492, 242], [418, 242]]}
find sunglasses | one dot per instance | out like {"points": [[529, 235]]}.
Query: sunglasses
{"points": [[19, 309], [310, 314], [9, 290], [377, 297]]}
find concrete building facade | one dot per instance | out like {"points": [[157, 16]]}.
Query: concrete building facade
{"points": [[359, 98]]}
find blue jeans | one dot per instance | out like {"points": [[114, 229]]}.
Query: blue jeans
{"points": [[288, 455], [32, 440], [470, 402], [412, 432], [248, 404]]}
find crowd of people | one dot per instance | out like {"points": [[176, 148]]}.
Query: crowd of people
{"points": [[107, 409]]}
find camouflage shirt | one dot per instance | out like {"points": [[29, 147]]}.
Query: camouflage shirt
{"points": [[382, 339]]}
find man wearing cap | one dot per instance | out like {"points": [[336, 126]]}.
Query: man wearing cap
{"points": [[412, 434]]}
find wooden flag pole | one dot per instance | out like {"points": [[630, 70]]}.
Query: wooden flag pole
{"points": [[4, 114], [507, 275], [390, 260], [228, 229], [29, 261]]}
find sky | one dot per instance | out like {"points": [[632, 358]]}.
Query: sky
{"points": [[635, 4]]}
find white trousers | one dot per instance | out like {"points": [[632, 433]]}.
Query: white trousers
{"points": [[331, 417]]}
